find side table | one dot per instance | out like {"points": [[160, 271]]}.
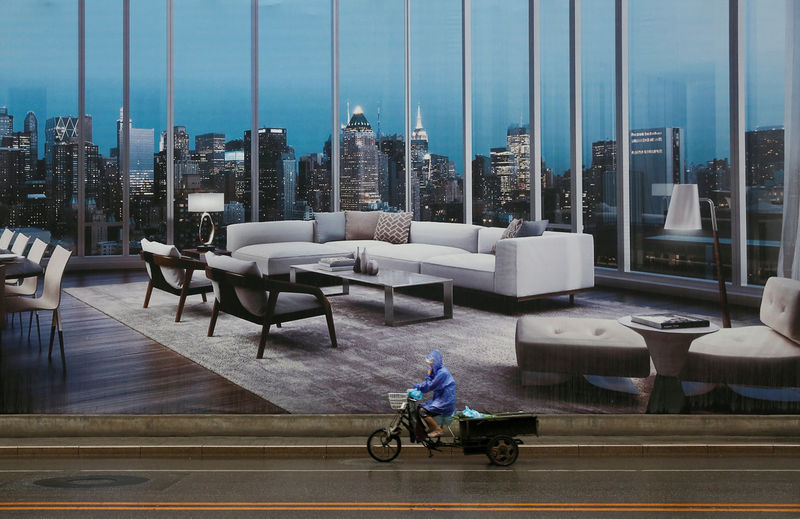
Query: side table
{"points": [[668, 348]]}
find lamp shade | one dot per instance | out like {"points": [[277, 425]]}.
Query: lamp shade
{"points": [[206, 202], [684, 209]]}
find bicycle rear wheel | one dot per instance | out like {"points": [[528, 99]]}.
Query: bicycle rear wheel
{"points": [[383, 446]]}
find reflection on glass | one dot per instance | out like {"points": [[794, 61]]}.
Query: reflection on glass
{"points": [[372, 168], [103, 183], [679, 120], [556, 200], [148, 163], [599, 129], [500, 134], [39, 144], [437, 143], [212, 112], [765, 55], [294, 109]]}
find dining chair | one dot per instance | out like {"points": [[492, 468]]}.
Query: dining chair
{"points": [[242, 291], [30, 285], [49, 300], [19, 244], [5, 238]]}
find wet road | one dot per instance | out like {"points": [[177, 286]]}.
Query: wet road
{"points": [[411, 486]]}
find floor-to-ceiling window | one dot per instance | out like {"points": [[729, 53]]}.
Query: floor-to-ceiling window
{"points": [[437, 142], [294, 107], [103, 184], [501, 168], [679, 130], [554, 36], [372, 140], [765, 44], [38, 120], [212, 113], [599, 129]]}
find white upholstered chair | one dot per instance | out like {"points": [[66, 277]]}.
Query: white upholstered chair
{"points": [[5, 238], [30, 285]]}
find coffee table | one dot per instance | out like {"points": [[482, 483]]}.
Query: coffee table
{"points": [[389, 280], [668, 348]]}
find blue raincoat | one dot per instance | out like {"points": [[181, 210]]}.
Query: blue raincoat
{"points": [[441, 382]]}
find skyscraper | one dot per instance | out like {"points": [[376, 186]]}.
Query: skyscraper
{"points": [[657, 158], [360, 164], [504, 166], [271, 149], [6, 122], [64, 129], [141, 158], [518, 140], [32, 127]]}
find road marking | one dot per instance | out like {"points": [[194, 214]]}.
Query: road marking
{"points": [[390, 470]]}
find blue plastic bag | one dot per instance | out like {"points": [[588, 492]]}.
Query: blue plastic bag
{"points": [[472, 413], [415, 394]]}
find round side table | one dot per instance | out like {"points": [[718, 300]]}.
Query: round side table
{"points": [[668, 348]]}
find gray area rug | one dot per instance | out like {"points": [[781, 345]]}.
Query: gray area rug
{"points": [[302, 374]]}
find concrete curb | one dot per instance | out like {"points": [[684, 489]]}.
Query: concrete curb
{"points": [[340, 425], [338, 451]]}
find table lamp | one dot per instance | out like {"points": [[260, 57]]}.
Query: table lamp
{"points": [[206, 203], [684, 215]]}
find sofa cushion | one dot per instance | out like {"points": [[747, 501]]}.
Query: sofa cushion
{"points": [[406, 256], [254, 301], [462, 236], [252, 233], [780, 306], [754, 355], [474, 271], [172, 275], [510, 232], [533, 228], [275, 258], [580, 346], [360, 225], [487, 237], [393, 227], [329, 227], [289, 302]]}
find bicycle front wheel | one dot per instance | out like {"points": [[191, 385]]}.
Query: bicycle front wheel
{"points": [[383, 446]]}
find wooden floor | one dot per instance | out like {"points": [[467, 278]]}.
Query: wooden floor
{"points": [[111, 368]]}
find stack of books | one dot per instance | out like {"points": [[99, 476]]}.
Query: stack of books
{"points": [[337, 263], [667, 321]]}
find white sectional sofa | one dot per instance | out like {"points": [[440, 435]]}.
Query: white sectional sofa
{"points": [[521, 268]]}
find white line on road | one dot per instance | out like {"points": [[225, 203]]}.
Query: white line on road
{"points": [[108, 470]]}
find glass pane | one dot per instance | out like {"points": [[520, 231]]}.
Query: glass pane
{"points": [[437, 142], [501, 169], [599, 129], [212, 112], [38, 115], [103, 220], [765, 69], [371, 100], [148, 154], [556, 202], [679, 119], [294, 109]]}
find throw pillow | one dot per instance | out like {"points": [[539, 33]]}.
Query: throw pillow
{"points": [[360, 225], [393, 227], [253, 300], [329, 227], [510, 232], [536, 228]]}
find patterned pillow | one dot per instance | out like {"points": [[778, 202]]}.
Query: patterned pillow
{"points": [[393, 227], [510, 232]]}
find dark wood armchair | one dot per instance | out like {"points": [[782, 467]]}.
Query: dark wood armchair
{"points": [[183, 288], [286, 302]]}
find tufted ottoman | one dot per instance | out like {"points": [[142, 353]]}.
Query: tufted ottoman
{"points": [[552, 349]]}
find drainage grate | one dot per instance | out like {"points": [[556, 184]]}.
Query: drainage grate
{"points": [[95, 481]]}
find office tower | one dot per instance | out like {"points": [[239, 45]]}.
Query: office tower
{"points": [[210, 151], [141, 158], [21, 141], [360, 164], [64, 129], [31, 126], [287, 187], [13, 163], [6, 122], [657, 156], [181, 147], [271, 147], [314, 181], [504, 166], [394, 149], [764, 153], [518, 140]]}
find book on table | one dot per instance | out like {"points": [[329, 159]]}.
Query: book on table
{"points": [[338, 261], [667, 321], [335, 268]]}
